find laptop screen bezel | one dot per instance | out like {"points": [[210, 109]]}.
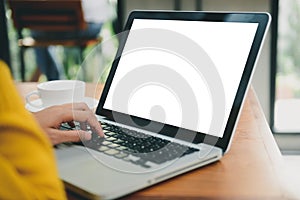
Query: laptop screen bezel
{"points": [[262, 19]]}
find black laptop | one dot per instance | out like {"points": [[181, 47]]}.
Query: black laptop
{"points": [[171, 101]]}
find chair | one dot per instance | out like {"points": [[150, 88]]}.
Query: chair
{"points": [[51, 16]]}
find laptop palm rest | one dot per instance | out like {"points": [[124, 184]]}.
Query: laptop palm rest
{"points": [[85, 172]]}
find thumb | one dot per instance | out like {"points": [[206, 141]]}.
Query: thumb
{"points": [[60, 136]]}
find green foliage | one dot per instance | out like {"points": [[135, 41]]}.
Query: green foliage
{"points": [[288, 41], [288, 52]]}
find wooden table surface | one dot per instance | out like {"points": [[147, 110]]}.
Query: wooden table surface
{"points": [[252, 169]]}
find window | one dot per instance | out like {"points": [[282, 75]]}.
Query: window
{"points": [[285, 77]]}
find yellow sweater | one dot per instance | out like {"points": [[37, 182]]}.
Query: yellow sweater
{"points": [[27, 164]]}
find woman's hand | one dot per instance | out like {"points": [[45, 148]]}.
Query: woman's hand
{"points": [[50, 119]]}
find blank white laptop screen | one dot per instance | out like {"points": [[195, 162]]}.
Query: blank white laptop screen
{"points": [[227, 44]]}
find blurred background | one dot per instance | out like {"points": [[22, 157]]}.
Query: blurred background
{"points": [[276, 79]]}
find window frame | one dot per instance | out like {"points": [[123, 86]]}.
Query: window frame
{"points": [[287, 141]]}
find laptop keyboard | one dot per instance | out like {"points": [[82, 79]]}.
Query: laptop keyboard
{"points": [[136, 147]]}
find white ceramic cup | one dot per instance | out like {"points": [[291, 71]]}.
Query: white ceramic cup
{"points": [[56, 93]]}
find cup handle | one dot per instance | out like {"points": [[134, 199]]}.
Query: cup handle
{"points": [[30, 95]]}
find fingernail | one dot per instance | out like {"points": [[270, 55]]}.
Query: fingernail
{"points": [[102, 134]]}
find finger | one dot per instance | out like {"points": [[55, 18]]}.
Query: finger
{"points": [[83, 126], [60, 136], [85, 116]]}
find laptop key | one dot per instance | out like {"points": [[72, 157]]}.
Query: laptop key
{"points": [[136, 147]]}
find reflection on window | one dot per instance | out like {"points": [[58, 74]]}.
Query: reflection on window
{"points": [[287, 103]]}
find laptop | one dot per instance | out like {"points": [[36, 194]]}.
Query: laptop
{"points": [[171, 101]]}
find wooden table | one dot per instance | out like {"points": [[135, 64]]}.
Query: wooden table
{"points": [[252, 169]]}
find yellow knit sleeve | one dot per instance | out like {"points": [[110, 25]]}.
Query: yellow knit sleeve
{"points": [[27, 163]]}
